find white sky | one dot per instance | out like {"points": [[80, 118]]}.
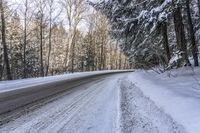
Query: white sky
{"points": [[19, 6]]}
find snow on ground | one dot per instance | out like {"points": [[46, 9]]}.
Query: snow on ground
{"points": [[176, 92], [141, 115], [137, 102], [90, 108]]}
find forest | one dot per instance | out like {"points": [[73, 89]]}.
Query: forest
{"points": [[49, 37], [155, 33]]}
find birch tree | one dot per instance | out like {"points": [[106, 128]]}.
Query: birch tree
{"points": [[75, 10]]}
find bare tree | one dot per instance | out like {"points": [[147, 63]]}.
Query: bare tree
{"points": [[36, 43], [103, 38], [26, 13], [50, 3], [25, 37], [75, 11], [51, 6], [41, 4], [3, 34]]}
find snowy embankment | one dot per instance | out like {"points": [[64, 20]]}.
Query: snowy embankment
{"points": [[177, 93], [141, 115]]}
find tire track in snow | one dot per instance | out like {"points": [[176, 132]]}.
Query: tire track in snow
{"points": [[65, 114], [65, 118], [10, 116], [89, 105], [51, 111], [94, 108], [101, 117]]}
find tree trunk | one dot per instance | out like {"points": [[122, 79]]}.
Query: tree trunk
{"points": [[1, 71], [69, 49], [198, 3], [124, 63], [50, 34], [25, 40], [165, 41], [41, 47], [116, 58], [192, 35], [102, 57], [73, 50], [180, 35], [72, 57], [3, 30], [120, 61]]}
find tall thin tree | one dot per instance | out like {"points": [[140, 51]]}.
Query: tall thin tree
{"points": [[192, 35], [25, 38], [180, 34], [3, 35]]}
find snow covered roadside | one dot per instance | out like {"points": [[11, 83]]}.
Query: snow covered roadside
{"points": [[141, 115], [177, 93]]}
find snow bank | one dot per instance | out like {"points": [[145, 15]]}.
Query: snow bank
{"points": [[177, 92], [141, 115]]}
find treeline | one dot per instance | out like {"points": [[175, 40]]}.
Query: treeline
{"points": [[155, 32], [48, 37]]}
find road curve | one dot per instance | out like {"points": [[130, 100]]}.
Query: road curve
{"points": [[103, 104], [12, 98], [91, 106]]}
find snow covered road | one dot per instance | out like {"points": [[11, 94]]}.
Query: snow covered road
{"points": [[110, 104], [90, 108]]}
